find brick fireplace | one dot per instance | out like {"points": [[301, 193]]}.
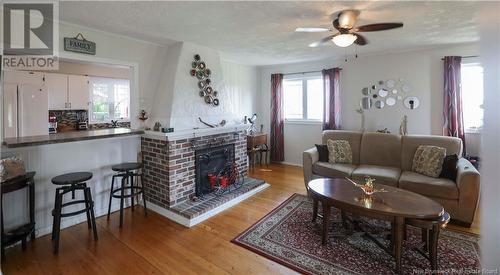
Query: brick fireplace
{"points": [[170, 161]]}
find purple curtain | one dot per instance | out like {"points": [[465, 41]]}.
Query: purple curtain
{"points": [[331, 108], [277, 119], [452, 109]]}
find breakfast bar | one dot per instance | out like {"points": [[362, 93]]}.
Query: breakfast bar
{"points": [[95, 151]]}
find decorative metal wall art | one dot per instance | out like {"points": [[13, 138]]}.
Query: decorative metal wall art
{"points": [[200, 71]]}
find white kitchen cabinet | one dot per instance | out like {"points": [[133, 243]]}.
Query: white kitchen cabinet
{"points": [[78, 92], [57, 87], [67, 92]]}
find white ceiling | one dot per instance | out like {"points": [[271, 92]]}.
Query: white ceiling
{"points": [[262, 33]]}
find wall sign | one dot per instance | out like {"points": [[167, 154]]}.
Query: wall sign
{"points": [[79, 44]]}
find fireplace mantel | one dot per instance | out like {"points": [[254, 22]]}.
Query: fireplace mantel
{"points": [[194, 133]]}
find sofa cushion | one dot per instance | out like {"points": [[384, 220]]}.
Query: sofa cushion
{"points": [[382, 174], [410, 144], [333, 170], [322, 152], [428, 186], [354, 139], [381, 149], [428, 160], [339, 151]]}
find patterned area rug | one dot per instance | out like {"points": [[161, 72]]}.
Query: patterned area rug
{"points": [[287, 236]]}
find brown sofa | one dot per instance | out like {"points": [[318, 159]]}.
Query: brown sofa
{"points": [[388, 158]]}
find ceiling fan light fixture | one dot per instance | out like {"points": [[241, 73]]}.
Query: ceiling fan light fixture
{"points": [[344, 40]]}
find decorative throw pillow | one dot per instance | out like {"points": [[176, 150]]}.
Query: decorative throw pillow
{"points": [[323, 152], [450, 169], [11, 168], [339, 151], [428, 160]]}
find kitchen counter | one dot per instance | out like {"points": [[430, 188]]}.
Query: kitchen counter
{"points": [[69, 137]]}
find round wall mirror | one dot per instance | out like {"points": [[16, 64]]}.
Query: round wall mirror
{"points": [[366, 103], [383, 92], [406, 88], [365, 91], [379, 104], [411, 102], [390, 101], [390, 83]]}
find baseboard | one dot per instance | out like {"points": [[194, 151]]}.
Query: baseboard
{"points": [[196, 220]]}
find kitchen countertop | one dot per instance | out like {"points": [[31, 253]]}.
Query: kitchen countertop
{"points": [[69, 137]]}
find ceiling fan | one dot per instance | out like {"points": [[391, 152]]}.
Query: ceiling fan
{"points": [[347, 32]]}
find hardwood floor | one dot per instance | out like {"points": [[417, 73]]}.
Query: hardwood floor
{"points": [[156, 245]]}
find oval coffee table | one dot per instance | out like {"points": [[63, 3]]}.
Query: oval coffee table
{"points": [[395, 206]]}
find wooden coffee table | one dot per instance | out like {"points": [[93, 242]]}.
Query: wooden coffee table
{"points": [[395, 206]]}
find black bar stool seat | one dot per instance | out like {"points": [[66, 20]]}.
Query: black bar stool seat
{"points": [[127, 166], [127, 171], [70, 183]]}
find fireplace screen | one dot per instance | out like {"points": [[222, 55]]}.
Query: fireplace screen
{"points": [[211, 160]]}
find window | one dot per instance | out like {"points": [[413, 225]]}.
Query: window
{"points": [[472, 95], [110, 99], [303, 98]]}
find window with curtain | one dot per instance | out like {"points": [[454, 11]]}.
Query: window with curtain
{"points": [[303, 97], [472, 95], [110, 99]]}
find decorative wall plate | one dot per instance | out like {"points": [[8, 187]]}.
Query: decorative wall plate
{"points": [[394, 91], [200, 75], [365, 91]]}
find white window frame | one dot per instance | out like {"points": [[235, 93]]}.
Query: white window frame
{"points": [[473, 62], [91, 105], [304, 77]]}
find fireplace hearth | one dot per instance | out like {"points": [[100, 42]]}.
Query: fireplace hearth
{"points": [[211, 160]]}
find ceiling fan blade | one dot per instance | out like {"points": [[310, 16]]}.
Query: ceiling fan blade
{"points": [[378, 27], [361, 40], [312, 30], [322, 41]]}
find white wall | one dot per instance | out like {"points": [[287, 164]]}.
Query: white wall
{"points": [[177, 102], [423, 69]]}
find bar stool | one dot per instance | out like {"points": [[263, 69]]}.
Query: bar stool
{"points": [[430, 235], [127, 171], [70, 183]]}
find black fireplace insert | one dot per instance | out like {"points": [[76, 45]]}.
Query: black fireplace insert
{"points": [[211, 160]]}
